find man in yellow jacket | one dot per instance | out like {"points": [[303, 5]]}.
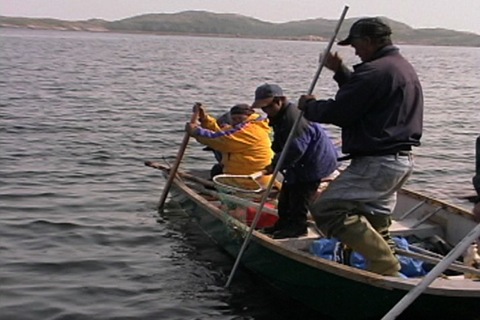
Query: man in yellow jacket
{"points": [[244, 143]]}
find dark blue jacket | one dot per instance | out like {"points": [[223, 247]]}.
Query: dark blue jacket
{"points": [[379, 106], [311, 155]]}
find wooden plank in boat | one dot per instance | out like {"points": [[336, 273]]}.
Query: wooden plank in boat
{"points": [[408, 227]]}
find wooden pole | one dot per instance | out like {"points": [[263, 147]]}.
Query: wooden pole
{"points": [[173, 170], [454, 266], [282, 155]]}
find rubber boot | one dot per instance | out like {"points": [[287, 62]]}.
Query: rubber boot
{"points": [[381, 223], [356, 232]]}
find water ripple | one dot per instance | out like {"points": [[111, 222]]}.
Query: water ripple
{"points": [[81, 112]]}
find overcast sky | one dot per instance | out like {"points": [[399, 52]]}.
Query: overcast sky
{"points": [[461, 15]]}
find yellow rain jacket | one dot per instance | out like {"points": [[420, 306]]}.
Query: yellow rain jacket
{"points": [[246, 147]]}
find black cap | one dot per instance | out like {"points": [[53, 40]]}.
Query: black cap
{"points": [[367, 27]]}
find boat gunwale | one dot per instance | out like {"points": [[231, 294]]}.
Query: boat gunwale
{"points": [[452, 208]]}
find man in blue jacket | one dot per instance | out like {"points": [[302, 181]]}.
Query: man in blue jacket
{"points": [[310, 157], [379, 107]]}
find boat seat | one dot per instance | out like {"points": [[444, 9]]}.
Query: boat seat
{"points": [[408, 227], [303, 243]]}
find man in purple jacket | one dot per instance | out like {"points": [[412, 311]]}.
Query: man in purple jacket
{"points": [[309, 157], [379, 107]]}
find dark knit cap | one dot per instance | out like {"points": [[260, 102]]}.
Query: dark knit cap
{"points": [[242, 108]]}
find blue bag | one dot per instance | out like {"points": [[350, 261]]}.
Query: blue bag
{"points": [[332, 249], [410, 267]]}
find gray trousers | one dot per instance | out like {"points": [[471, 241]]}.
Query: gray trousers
{"points": [[368, 187]]}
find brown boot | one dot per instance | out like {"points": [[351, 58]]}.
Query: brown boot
{"points": [[357, 233]]}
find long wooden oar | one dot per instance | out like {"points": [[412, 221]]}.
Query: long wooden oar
{"points": [[284, 151], [433, 274], [173, 170], [454, 266]]}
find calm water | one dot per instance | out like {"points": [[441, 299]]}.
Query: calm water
{"points": [[80, 112]]}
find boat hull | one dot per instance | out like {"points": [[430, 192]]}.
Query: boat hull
{"points": [[323, 289]]}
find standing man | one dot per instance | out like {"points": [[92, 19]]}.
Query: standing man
{"points": [[310, 157], [379, 107]]}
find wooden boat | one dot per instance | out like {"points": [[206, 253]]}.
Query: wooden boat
{"points": [[334, 289]]}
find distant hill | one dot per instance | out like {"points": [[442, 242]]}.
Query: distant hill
{"points": [[204, 23]]}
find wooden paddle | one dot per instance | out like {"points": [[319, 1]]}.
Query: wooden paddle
{"points": [[181, 151]]}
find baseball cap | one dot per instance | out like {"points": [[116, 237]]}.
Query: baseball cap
{"points": [[366, 27], [265, 94]]}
